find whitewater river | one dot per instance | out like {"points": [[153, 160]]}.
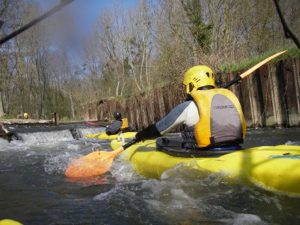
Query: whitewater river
{"points": [[34, 191]]}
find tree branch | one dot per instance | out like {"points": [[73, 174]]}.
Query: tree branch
{"points": [[287, 32]]}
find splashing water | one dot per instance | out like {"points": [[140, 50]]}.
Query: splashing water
{"points": [[34, 191], [39, 138]]}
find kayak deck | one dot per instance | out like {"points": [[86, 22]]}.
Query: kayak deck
{"points": [[275, 168]]}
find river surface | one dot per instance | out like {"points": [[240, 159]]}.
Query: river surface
{"points": [[34, 191]]}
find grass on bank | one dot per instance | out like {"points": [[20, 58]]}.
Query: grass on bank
{"points": [[248, 63]]}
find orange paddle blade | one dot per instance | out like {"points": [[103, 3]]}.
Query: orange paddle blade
{"points": [[93, 164]]}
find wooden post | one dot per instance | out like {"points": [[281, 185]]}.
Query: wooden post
{"points": [[55, 118]]}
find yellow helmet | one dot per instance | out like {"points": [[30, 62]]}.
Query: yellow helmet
{"points": [[197, 77]]}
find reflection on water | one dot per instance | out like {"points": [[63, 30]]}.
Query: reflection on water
{"points": [[34, 191]]}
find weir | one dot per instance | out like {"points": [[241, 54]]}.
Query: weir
{"points": [[42, 133]]}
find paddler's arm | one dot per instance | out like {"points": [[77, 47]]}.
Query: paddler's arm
{"points": [[184, 113]]}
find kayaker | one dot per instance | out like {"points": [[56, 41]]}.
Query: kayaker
{"points": [[212, 116], [118, 125]]}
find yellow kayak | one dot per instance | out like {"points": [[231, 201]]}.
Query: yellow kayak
{"points": [[104, 136], [275, 168], [9, 222]]}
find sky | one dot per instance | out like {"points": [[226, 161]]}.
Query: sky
{"points": [[87, 10], [85, 14]]}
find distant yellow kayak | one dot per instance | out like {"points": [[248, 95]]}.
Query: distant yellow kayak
{"points": [[275, 168], [104, 136], [9, 222]]}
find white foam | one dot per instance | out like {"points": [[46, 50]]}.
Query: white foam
{"points": [[292, 143], [104, 195], [37, 138], [3, 143], [123, 171], [84, 131], [58, 164], [246, 219]]}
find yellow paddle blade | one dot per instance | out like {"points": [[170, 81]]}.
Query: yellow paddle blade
{"points": [[255, 67], [93, 164]]}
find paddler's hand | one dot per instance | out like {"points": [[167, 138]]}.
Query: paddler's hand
{"points": [[150, 132]]}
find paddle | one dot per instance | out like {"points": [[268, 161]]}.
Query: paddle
{"points": [[99, 162], [252, 69], [95, 163]]}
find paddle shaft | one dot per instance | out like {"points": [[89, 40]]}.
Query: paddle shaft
{"points": [[252, 69], [35, 21], [228, 84], [127, 145]]}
